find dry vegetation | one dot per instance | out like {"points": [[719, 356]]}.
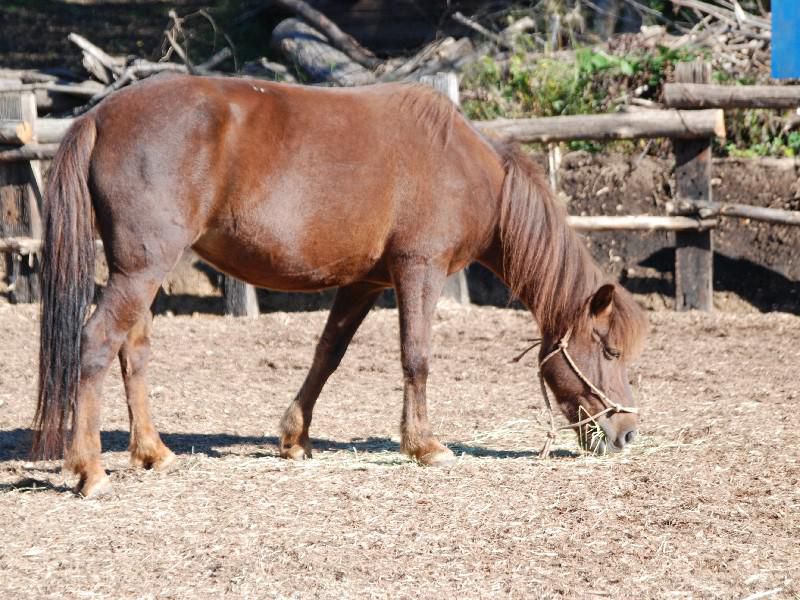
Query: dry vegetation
{"points": [[706, 503]]}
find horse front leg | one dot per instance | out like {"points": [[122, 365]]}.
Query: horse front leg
{"points": [[146, 448], [418, 286], [350, 307]]}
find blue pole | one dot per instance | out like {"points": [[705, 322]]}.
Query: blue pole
{"points": [[785, 39]]}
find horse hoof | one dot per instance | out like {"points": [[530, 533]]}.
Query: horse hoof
{"points": [[295, 452], [94, 488], [165, 463], [162, 463], [438, 458]]}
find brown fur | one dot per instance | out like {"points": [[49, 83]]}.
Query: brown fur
{"points": [[293, 188], [431, 109], [547, 266]]}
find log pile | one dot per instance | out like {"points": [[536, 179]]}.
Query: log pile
{"points": [[739, 41], [313, 48]]}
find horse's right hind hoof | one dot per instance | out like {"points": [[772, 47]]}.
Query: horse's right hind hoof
{"points": [[94, 487]]}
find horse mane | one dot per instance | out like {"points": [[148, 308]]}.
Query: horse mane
{"points": [[432, 109], [545, 263]]}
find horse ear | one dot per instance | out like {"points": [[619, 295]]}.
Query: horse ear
{"points": [[603, 302]]}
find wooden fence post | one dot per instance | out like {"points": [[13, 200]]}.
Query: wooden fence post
{"points": [[20, 203], [694, 250], [240, 297], [456, 285]]}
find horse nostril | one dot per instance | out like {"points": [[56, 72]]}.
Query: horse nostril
{"points": [[629, 436]]}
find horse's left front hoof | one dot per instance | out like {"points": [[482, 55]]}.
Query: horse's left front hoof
{"points": [[166, 462], [161, 460], [94, 487]]}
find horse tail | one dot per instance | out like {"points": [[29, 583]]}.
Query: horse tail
{"points": [[68, 259]]}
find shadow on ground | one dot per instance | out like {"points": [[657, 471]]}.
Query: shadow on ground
{"points": [[763, 288], [15, 445]]}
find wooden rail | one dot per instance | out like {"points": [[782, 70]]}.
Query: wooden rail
{"points": [[15, 132], [703, 95], [776, 216], [640, 223], [28, 152], [675, 124], [25, 246]]}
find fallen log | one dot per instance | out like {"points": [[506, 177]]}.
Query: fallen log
{"points": [[700, 95], [104, 67], [310, 51], [671, 123], [15, 132], [639, 223], [337, 38], [475, 26]]}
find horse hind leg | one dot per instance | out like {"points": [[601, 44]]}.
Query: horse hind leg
{"points": [[350, 307], [124, 302], [146, 448]]}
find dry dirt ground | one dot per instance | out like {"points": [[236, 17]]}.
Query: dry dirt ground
{"points": [[706, 504]]}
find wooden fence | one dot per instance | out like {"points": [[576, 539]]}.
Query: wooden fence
{"points": [[694, 117]]}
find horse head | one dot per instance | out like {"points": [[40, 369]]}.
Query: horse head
{"points": [[587, 370]]}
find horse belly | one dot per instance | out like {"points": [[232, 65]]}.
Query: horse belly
{"points": [[279, 259]]}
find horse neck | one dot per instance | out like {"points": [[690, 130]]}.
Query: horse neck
{"points": [[557, 294], [541, 258]]}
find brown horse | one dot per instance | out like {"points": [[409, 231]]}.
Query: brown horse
{"points": [[300, 188]]}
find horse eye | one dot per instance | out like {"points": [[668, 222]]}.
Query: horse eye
{"points": [[609, 352]]}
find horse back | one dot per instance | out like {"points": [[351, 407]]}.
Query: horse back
{"points": [[313, 186]]}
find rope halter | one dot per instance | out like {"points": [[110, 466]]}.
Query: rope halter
{"points": [[610, 407]]}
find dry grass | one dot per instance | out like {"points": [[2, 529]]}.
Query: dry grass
{"points": [[706, 503]]}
